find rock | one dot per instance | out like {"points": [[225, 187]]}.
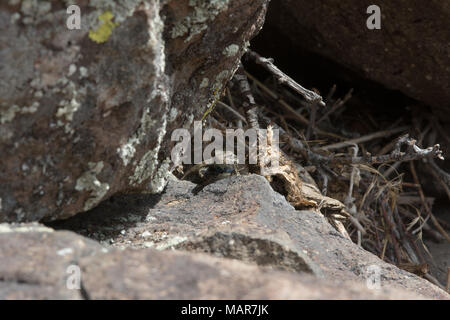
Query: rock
{"points": [[151, 274], [410, 53], [87, 113], [240, 218], [37, 259]]}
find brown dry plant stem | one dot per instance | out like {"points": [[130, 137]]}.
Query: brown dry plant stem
{"points": [[413, 152], [425, 204], [338, 103], [284, 79], [372, 136]]}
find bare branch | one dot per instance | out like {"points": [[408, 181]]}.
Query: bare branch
{"points": [[231, 110], [413, 152], [290, 109], [366, 138], [283, 78], [426, 206], [339, 103], [312, 120], [249, 101], [444, 175]]}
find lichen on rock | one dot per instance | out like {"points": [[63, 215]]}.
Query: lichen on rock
{"points": [[103, 32], [88, 181], [88, 111], [202, 12]]}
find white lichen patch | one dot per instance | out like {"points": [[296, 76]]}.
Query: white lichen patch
{"points": [[35, 11], [173, 113], [31, 109], [204, 83], [14, 18], [121, 9], [221, 78], [67, 108], [88, 181], [246, 46], [72, 69], [35, 227], [231, 50], [146, 166], [65, 251], [144, 169], [203, 12], [161, 177], [127, 151], [35, 7], [83, 72], [171, 242], [146, 234], [9, 114]]}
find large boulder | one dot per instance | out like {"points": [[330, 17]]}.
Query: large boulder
{"points": [[44, 264], [239, 218], [409, 53], [87, 113], [235, 239]]}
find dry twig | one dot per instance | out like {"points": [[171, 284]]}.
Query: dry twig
{"points": [[339, 103], [380, 134], [425, 204], [413, 152], [283, 78]]}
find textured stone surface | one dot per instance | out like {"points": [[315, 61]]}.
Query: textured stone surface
{"points": [[149, 274], [240, 218], [35, 260], [85, 114], [410, 53]]}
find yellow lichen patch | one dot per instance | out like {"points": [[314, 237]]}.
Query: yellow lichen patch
{"points": [[105, 29]]}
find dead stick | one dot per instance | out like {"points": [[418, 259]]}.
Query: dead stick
{"points": [[440, 180], [339, 103], [413, 152], [448, 279], [366, 138], [312, 121], [283, 78], [289, 109], [390, 231], [425, 204]]}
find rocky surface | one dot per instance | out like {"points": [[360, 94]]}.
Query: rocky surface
{"points": [[239, 218], [35, 261], [38, 259], [87, 113], [410, 53]]}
